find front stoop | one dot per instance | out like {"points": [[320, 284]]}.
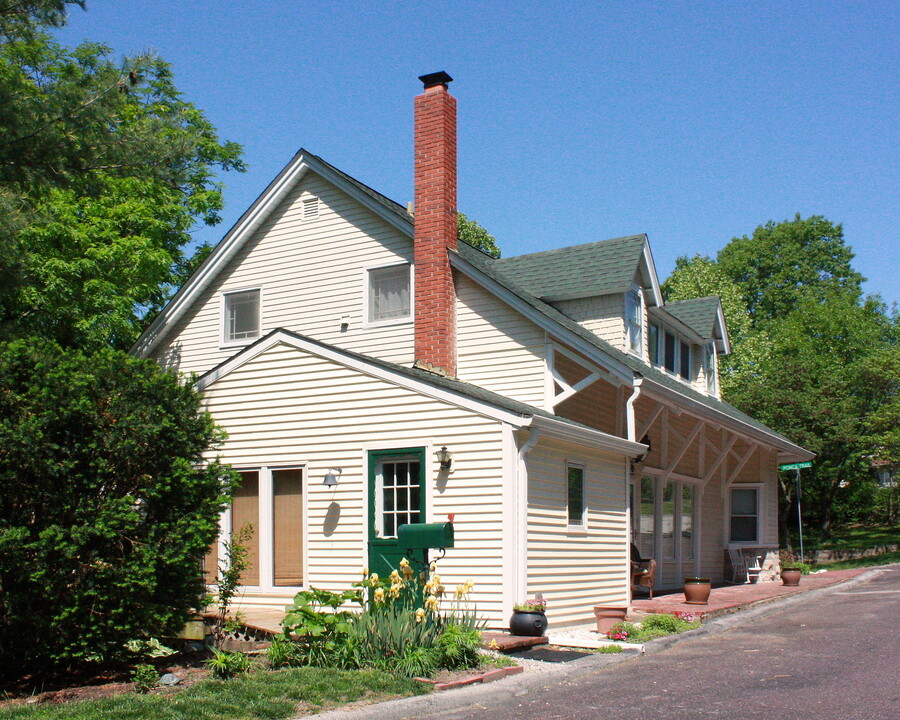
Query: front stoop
{"points": [[489, 676]]}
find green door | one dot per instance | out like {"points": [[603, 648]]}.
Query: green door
{"points": [[396, 497]]}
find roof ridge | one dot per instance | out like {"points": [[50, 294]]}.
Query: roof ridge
{"points": [[578, 246]]}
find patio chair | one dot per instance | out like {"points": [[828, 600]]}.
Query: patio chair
{"points": [[740, 565], [643, 571]]}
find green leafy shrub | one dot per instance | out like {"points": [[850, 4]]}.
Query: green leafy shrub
{"points": [[665, 622], [106, 503], [283, 653], [320, 630], [224, 664], [458, 647], [145, 678]]}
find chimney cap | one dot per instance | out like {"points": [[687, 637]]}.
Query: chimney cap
{"points": [[438, 78]]}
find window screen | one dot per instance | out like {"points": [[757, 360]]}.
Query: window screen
{"points": [[670, 352], [287, 526], [244, 513], [389, 293], [242, 315], [653, 339]]}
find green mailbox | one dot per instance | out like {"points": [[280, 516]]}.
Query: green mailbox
{"points": [[424, 536]]}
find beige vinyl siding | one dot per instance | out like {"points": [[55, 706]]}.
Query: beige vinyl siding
{"points": [[289, 407], [603, 315], [497, 348], [311, 272], [576, 568]]}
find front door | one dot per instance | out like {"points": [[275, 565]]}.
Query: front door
{"points": [[396, 497]]}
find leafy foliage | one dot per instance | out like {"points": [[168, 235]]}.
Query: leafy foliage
{"points": [[471, 232], [225, 664], [145, 678], [105, 507], [811, 358], [104, 168], [234, 563]]}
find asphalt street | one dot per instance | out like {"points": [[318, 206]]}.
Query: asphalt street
{"points": [[828, 654]]}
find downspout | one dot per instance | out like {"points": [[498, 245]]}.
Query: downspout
{"points": [[631, 432], [520, 500]]}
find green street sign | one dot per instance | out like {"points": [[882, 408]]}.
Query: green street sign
{"points": [[795, 466]]}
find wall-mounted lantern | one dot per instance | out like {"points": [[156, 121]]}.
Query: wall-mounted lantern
{"points": [[444, 458]]}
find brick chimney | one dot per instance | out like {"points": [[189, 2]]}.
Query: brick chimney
{"points": [[435, 225]]}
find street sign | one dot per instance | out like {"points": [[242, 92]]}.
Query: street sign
{"points": [[795, 466]]}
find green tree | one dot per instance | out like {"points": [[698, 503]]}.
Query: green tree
{"points": [[104, 169], [786, 262], [107, 504], [472, 233]]}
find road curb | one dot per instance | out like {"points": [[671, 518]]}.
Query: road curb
{"points": [[422, 706]]}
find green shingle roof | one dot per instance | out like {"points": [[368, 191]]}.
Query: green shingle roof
{"points": [[596, 268], [699, 314], [494, 269]]}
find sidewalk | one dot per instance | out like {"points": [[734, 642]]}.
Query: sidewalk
{"points": [[727, 599]]}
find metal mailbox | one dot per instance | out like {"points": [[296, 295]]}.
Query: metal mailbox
{"points": [[422, 536]]}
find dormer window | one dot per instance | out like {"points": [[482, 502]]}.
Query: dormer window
{"points": [[684, 366], [709, 366], [241, 315], [389, 293], [669, 356], [634, 321], [653, 339]]}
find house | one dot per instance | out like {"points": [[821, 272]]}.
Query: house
{"points": [[344, 344]]}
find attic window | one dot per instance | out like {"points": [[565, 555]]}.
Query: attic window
{"points": [[309, 207], [389, 293], [241, 315], [634, 321]]}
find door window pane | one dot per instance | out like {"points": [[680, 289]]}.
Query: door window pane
{"points": [[647, 533], [687, 522], [245, 513], [400, 496], [287, 521], [668, 520]]}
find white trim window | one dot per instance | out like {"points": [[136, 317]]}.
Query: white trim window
{"points": [[744, 515], [575, 505], [241, 315], [388, 293], [634, 321], [709, 367], [684, 361], [653, 341]]}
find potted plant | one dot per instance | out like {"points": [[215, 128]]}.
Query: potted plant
{"points": [[790, 576], [528, 618], [696, 590]]}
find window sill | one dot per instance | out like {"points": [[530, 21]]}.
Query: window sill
{"points": [[231, 344], [388, 323]]}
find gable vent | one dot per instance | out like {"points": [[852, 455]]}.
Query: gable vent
{"points": [[309, 207]]}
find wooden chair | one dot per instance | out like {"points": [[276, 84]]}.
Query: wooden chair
{"points": [[643, 570]]}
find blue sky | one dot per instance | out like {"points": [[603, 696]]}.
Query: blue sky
{"points": [[691, 121]]}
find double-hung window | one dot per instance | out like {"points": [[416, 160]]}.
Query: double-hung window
{"points": [[653, 340], [684, 367], [241, 315], [634, 321], [389, 293], [709, 366], [744, 515]]}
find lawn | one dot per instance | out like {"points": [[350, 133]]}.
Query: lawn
{"points": [[263, 695], [853, 537], [883, 559]]}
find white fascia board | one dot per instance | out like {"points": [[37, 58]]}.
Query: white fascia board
{"points": [[647, 257], [663, 393], [234, 240], [597, 439], [723, 344], [360, 365], [619, 371]]}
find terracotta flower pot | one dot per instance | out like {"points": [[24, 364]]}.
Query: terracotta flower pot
{"points": [[696, 590], [791, 576], [609, 615], [528, 624]]}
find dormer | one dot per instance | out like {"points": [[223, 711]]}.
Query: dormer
{"points": [[607, 286], [685, 339]]}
